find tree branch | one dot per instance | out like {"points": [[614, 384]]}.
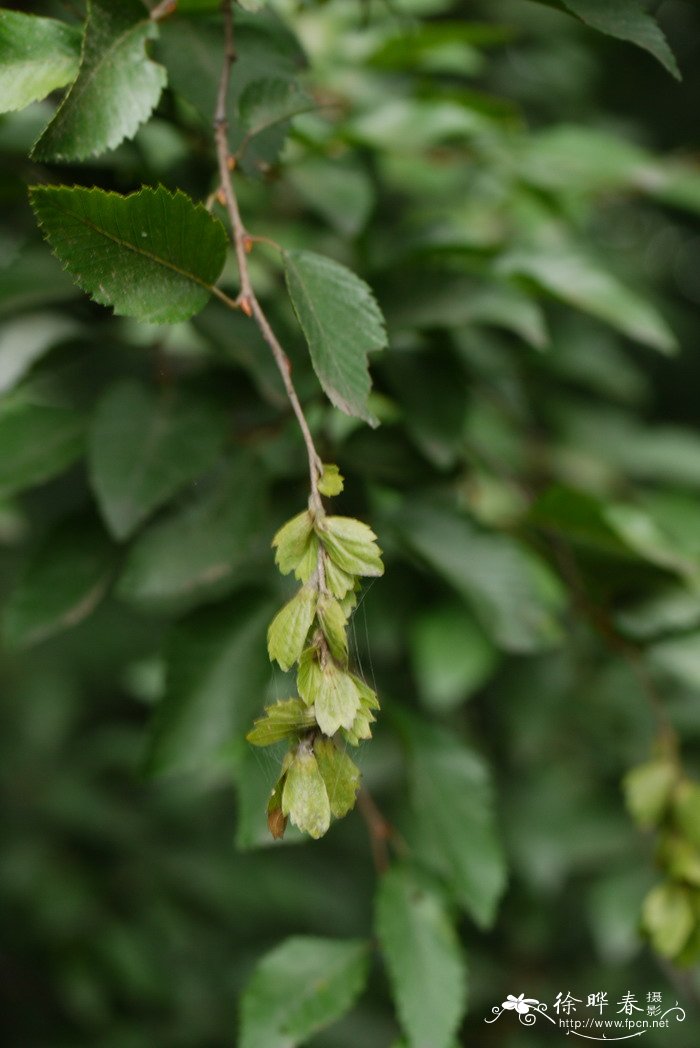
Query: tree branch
{"points": [[247, 299]]}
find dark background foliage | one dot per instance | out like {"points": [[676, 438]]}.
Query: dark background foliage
{"points": [[481, 178]]}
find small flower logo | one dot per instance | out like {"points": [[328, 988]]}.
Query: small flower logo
{"points": [[520, 1004]]}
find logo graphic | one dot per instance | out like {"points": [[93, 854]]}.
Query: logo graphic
{"points": [[624, 1026]]}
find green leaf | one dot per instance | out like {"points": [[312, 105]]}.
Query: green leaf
{"points": [[309, 676], [454, 830], [288, 630], [571, 276], [116, 90], [340, 191], [626, 20], [153, 255], [342, 324], [23, 340], [268, 102], [144, 447], [286, 719], [37, 55], [668, 918], [648, 790], [304, 796], [201, 550], [216, 675], [452, 657], [351, 544], [338, 581], [340, 774], [299, 988], [62, 584], [333, 622], [331, 482], [686, 810], [513, 594], [423, 957], [337, 701], [291, 542], [38, 442]]}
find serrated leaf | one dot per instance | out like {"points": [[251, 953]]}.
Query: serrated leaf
{"points": [[304, 797], [37, 55], [453, 829], [337, 580], [286, 719], [342, 324], [351, 544], [117, 88], [337, 701], [308, 564], [200, 550], [291, 542], [626, 20], [648, 789], [38, 442], [153, 255], [309, 676], [216, 673], [668, 918], [333, 622], [340, 774], [143, 447], [62, 584], [299, 988], [288, 630], [423, 958]]}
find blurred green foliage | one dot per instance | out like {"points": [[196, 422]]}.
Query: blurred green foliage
{"points": [[522, 195]]}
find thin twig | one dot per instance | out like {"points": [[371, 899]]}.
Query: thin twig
{"points": [[247, 299]]}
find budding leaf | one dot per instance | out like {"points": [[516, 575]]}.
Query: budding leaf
{"points": [[286, 719], [341, 776], [309, 562], [37, 55], [309, 676], [117, 88], [291, 542], [668, 918], [338, 700], [287, 633], [351, 544], [648, 791], [304, 797], [361, 725], [342, 324], [333, 623], [153, 255], [332, 481]]}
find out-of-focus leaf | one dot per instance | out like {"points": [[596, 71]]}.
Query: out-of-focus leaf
{"points": [[679, 657], [62, 584], [37, 55], [339, 192], [668, 917], [144, 447], [216, 676], [451, 655], [648, 790], [513, 595], [453, 829], [423, 957], [38, 441], [198, 550], [117, 88], [342, 324], [298, 988], [571, 276], [26, 339], [120, 249]]}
